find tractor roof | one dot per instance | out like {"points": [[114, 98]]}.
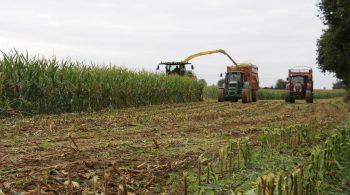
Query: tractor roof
{"points": [[173, 63], [300, 71]]}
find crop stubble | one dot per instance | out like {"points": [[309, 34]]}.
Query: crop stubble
{"points": [[39, 147]]}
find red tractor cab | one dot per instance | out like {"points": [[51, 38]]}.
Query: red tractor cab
{"points": [[300, 85]]}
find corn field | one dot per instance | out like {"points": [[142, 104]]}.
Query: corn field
{"points": [[191, 148], [33, 84]]}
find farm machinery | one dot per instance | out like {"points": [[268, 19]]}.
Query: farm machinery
{"points": [[241, 82], [300, 85], [182, 68]]}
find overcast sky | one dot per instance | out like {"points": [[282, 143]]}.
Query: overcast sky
{"points": [[138, 34]]}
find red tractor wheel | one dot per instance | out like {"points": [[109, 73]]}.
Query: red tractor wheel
{"points": [[255, 96], [292, 100], [309, 96], [245, 95], [221, 97], [289, 97]]}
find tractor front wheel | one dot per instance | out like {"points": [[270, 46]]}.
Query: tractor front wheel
{"points": [[292, 100], [309, 96], [289, 97], [221, 97]]}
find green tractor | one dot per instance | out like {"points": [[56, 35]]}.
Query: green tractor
{"points": [[241, 82]]}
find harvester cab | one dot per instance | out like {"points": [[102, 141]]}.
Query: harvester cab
{"points": [[181, 68], [177, 68], [241, 82], [300, 84]]}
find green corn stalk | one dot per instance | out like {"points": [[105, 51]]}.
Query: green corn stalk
{"points": [[32, 84], [279, 185]]}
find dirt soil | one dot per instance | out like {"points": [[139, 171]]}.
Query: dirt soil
{"points": [[140, 146]]}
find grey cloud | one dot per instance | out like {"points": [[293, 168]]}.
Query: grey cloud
{"points": [[275, 34]]}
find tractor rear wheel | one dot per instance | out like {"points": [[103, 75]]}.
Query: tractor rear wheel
{"points": [[245, 95], [309, 96], [221, 97], [255, 96]]}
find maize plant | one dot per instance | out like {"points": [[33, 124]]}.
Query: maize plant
{"points": [[32, 84], [308, 178]]}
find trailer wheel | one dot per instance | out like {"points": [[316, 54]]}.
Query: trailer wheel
{"points": [[250, 96], [309, 96], [245, 95], [221, 97], [255, 96]]}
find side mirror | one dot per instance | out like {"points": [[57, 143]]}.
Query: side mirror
{"points": [[158, 67], [220, 74], [287, 79], [192, 67]]}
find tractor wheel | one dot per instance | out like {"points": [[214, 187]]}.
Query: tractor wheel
{"points": [[292, 100], [287, 96], [245, 95], [250, 96], [255, 96], [309, 97], [221, 97]]}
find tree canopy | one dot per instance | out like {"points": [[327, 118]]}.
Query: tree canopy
{"points": [[280, 84], [333, 47], [203, 81], [339, 85], [221, 82]]}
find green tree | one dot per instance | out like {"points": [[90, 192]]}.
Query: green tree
{"points": [[338, 85], [280, 84], [221, 82], [203, 81], [333, 47]]}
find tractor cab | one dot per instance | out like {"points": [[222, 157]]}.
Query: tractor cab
{"points": [[298, 84], [176, 68], [234, 76], [234, 79]]}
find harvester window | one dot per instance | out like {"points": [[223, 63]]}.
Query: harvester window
{"points": [[173, 68]]}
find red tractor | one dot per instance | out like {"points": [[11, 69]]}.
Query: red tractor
{"points": [[300, 85]]}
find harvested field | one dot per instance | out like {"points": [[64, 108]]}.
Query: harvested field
{"points": [[140, 146]]}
